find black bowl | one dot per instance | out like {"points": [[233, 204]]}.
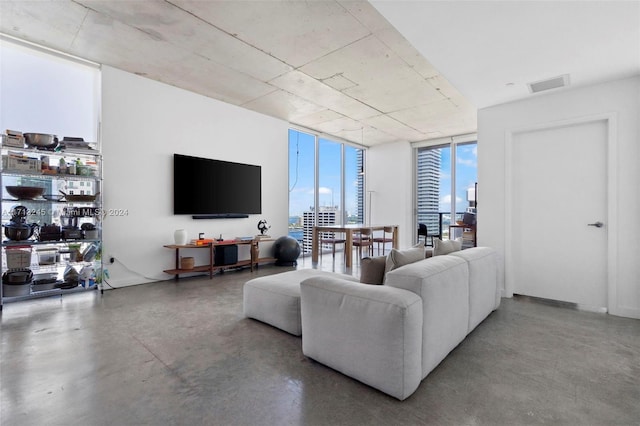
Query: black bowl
{"points": [[25, 192]]}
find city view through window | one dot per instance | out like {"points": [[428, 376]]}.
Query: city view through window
{"points": [[437, 195], [446, 185], [337, 184]]}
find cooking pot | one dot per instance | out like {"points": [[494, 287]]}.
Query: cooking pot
{"points": [[89, 231], [19, 214], [41, 140], [91, 234], [17, 276], [80, 198], [16, 289], [71, 233], [19, 231]]}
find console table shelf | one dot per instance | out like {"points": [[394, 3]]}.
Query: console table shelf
{"points": [[203, 268], [211, 267]]}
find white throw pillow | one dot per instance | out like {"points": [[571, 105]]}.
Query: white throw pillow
{"points": [[445, 247], [397, 258]]}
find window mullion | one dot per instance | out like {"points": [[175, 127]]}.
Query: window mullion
{"points": [[316, 179], [343, 215], [453, 183]]}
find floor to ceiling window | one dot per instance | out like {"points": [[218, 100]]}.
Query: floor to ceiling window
{"points": [[326, 184], [330, 180], [466, 177], [433, 187], [302, 189], [446, 176]]}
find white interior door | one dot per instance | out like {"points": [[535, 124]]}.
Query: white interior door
{"points": [[559, 189]]}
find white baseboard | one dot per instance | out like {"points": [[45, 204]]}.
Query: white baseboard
{"points": [[125, 282], [623, 311]]}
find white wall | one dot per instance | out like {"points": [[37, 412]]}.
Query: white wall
{"points": [[391, 176], [144, 123], [621, 97]]}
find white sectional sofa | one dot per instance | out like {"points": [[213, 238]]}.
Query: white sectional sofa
{"points": [[392, 336]]}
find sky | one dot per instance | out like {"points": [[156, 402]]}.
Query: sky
{"points": [[301, 174], [466, 176], [301, 169]]}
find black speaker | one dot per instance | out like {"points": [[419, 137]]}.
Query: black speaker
{"points": [[225, 255]]}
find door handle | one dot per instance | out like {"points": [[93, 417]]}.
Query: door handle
{"points": [[598, 224]]}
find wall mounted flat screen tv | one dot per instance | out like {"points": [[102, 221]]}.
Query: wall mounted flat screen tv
{"points": [[208, 188]]}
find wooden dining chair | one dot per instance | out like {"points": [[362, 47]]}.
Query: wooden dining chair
{"points": [[423, 232], [364, 238], [330, 238], [384, 239]]}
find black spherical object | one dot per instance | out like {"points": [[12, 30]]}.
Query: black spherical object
{"points": [[286, 250]]}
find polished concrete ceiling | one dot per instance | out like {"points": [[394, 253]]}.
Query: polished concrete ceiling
{"points": [[337, 67], [341, 67]]}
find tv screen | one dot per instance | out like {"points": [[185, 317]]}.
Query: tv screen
{"points": [[203, 186]]}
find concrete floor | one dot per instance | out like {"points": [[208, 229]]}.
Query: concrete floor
{"points": [[181, 353]]}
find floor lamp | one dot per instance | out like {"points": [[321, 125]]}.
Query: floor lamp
{"points": [[370, 212]]}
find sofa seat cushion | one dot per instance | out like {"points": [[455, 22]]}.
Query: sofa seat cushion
{"points": [[370, 333], [275, 299]]}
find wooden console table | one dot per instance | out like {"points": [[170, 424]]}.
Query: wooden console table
{"points": [[255, 251], [211, 266], [202, 268]]}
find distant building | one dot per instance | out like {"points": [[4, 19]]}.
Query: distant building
{"points": [[360, 195], [428, 185], [330, 215], [326, 216]]}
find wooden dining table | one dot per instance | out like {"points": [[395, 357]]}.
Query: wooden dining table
{"points": [[348, 230]]}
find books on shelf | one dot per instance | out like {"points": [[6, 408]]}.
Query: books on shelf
{"points": [[203, 242]]}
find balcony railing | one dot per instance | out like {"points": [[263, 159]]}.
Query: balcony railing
{"points": [[438, 222]]}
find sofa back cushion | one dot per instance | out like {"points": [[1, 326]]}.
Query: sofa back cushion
{"points": [[484, 294], [373, 269], [397, 258], [443, 284], [441, 247]]}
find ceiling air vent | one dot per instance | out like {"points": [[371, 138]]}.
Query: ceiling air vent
{"points": [[552, 83]]}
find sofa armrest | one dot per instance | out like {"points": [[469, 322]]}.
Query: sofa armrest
{"points": [[370, 333]]}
